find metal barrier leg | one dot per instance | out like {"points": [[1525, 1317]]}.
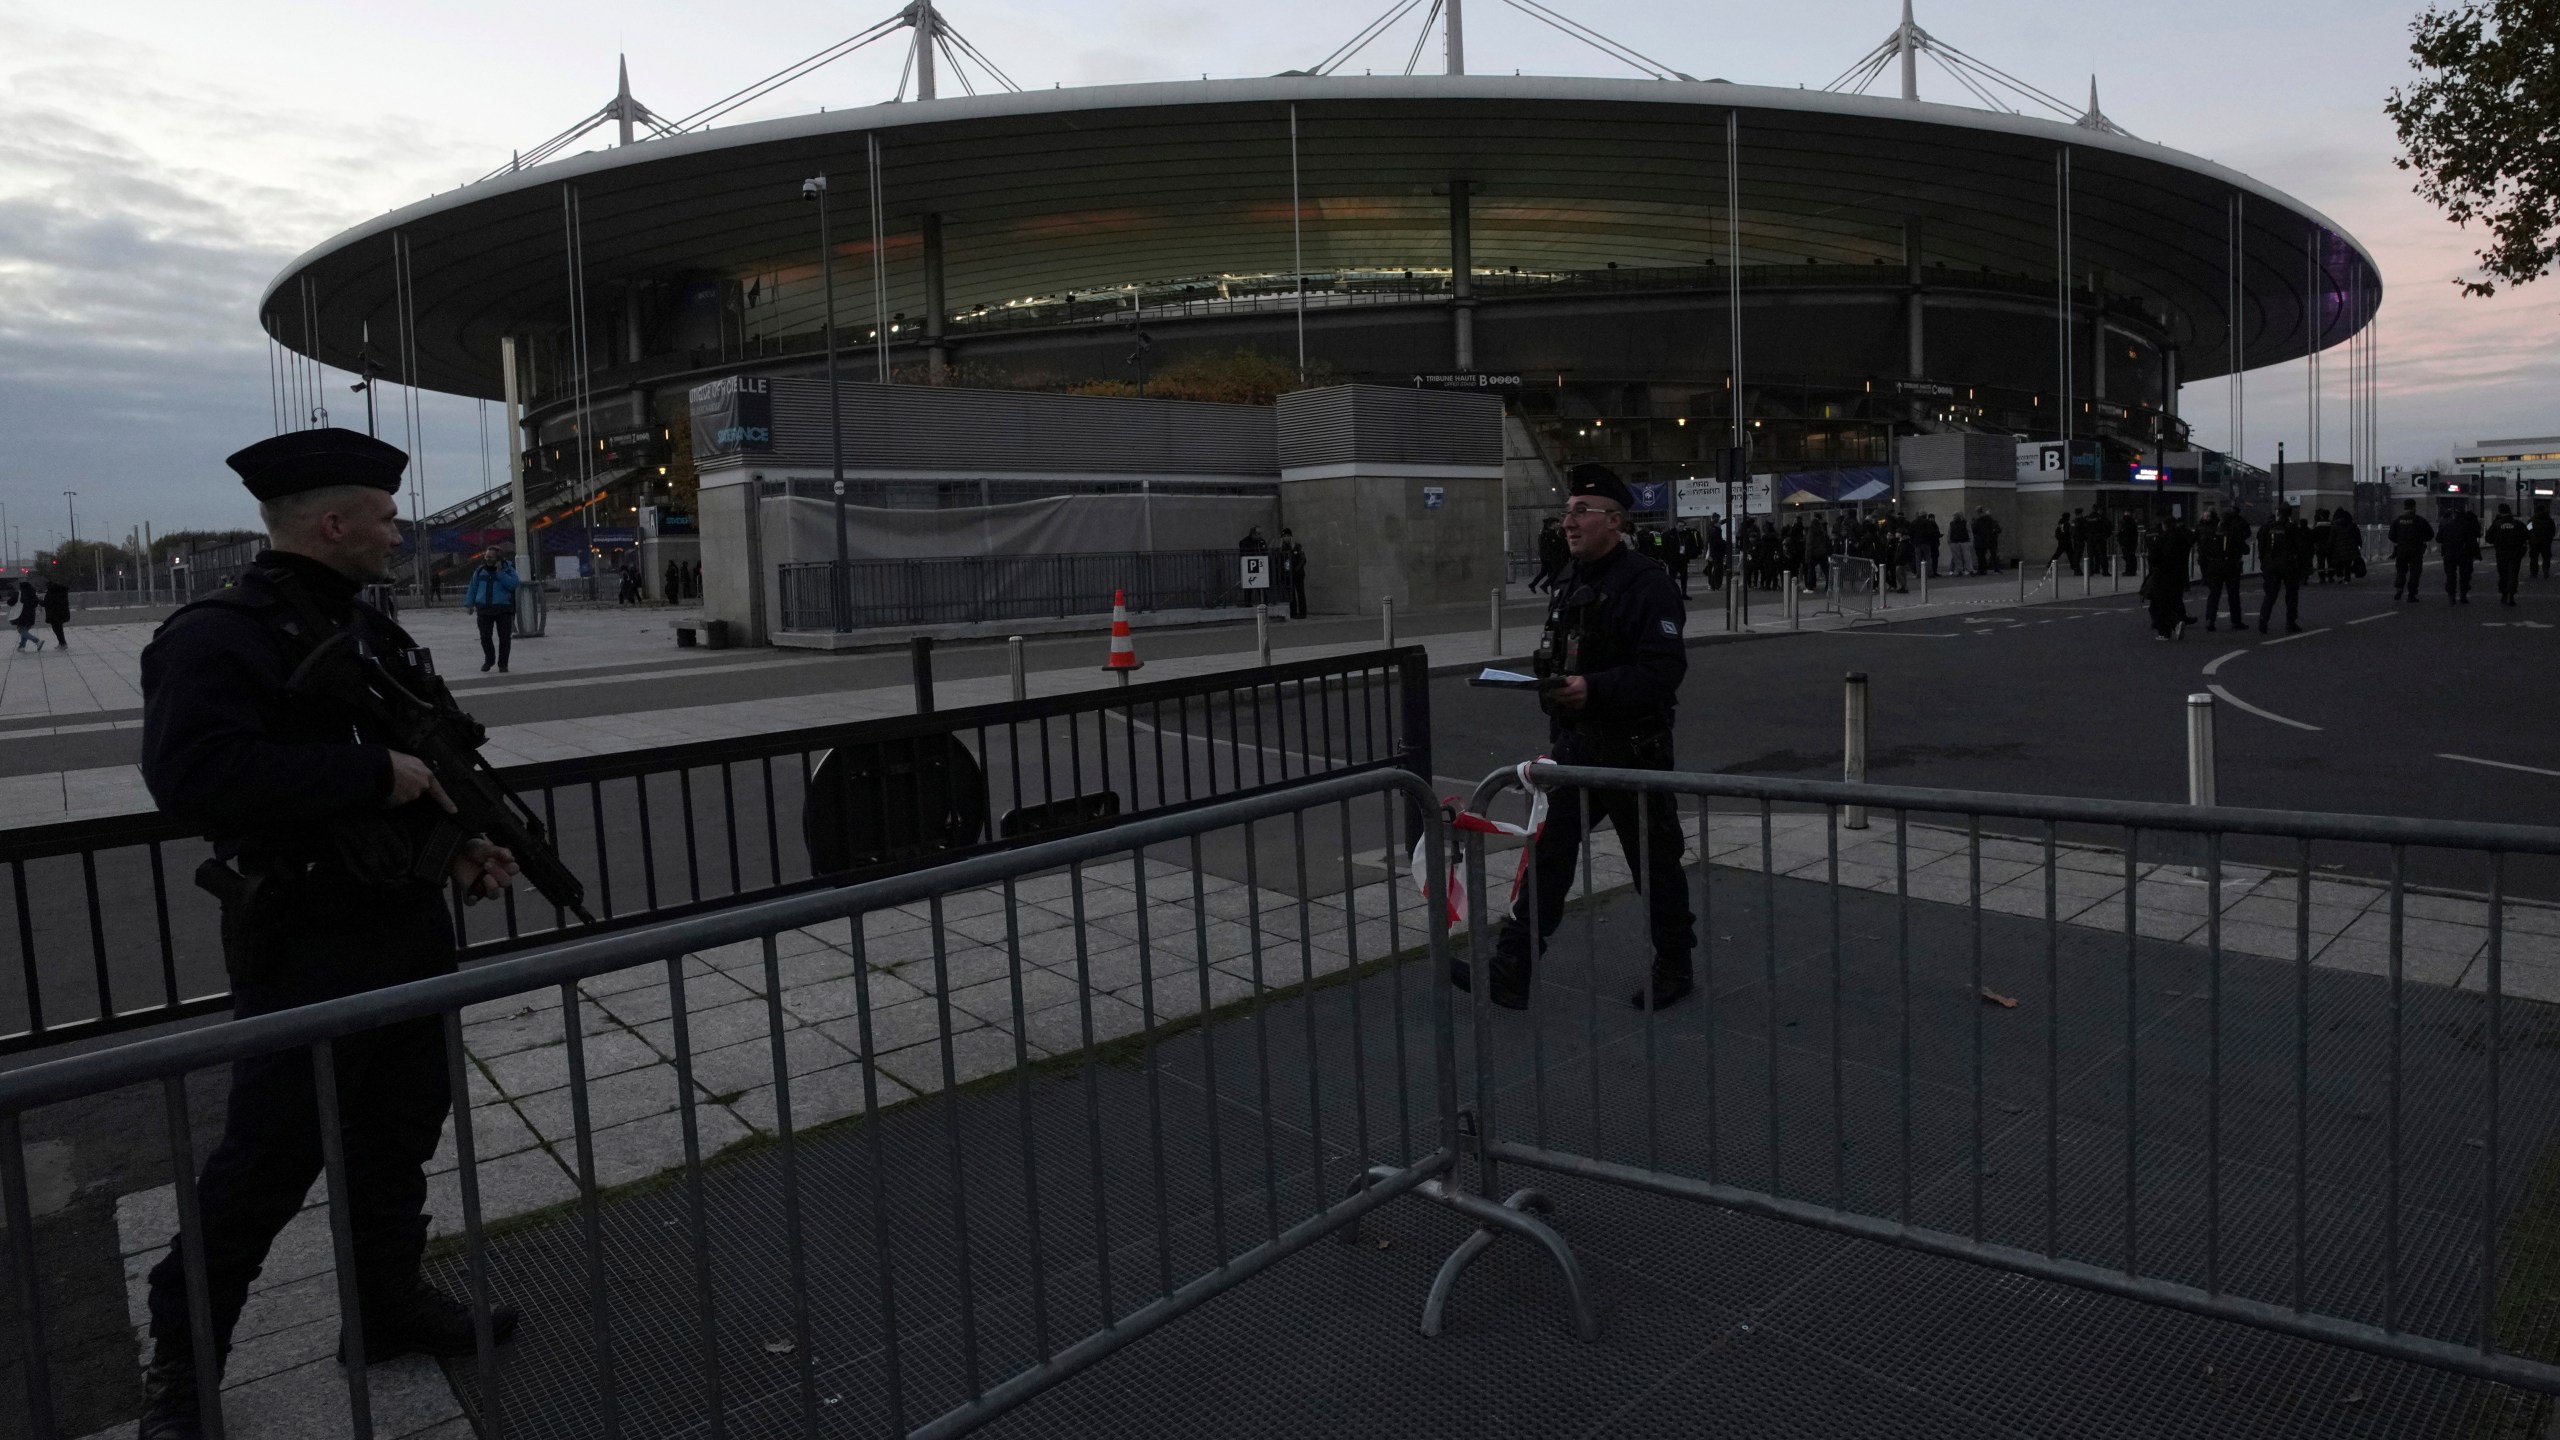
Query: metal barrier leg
{"points": [[1515, 1215]]}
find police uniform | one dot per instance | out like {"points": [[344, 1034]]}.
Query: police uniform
{"points": [[2507, 538], [326, 893], [2410, 535], [1616, 622]]}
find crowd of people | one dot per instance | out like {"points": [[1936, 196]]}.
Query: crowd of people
{"points": [[2328, 548], [1765, 551], [2217, 550]]}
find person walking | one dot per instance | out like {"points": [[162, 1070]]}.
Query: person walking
{"points": [[2322, 571], [1292, 561], [1817, 555], [1959, 544], [673, 591], [57, 611], [2284, 562], [1610, 666], [2222, 554], [336, 867], [2538, 532], [2093, 541], [2508, 537], [1925, 536], [2164, 583], [25, 596], [1686, 547], [1986, 541], [2129, 540], [2346, 546], [2458, 545], [2066, 540], [629, 593], [1551, 556], [2410, 536], [492, 603]]}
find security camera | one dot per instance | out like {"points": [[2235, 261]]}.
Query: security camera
{"points": [[813, 187]]}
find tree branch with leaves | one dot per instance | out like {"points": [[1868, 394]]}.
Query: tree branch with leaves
{"points": [[2481, 128]]}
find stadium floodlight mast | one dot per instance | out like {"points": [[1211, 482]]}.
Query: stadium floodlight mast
{"points": [[840, 583]]}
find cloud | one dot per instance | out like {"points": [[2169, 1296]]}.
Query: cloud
{"points": [[130, 355]]}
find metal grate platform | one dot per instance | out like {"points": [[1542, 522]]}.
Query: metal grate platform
{"points": [[1711, 1322]]}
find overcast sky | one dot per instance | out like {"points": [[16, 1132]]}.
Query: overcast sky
{"points": [[160, 162]]}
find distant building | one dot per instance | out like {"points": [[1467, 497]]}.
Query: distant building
{"points": [[2518, 471]]}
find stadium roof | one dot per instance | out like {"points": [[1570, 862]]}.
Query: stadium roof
{"points": [[1086, 189]]}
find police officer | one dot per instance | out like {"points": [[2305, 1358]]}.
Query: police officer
{"points": [[2410, 534], [2507, 538], [2284, 562], [1613, 659], [1292, 558], [2458, 544], [332, 855], [2222, 553]]}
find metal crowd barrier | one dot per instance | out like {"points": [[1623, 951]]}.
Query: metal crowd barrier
{"points": [[2350, 1152], [1005, 1243], [112, 936]]}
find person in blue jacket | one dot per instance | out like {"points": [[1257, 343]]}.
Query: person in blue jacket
{"points": [[492, 600]]}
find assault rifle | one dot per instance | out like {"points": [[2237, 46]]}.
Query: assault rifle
{"points": [[404, 701]]}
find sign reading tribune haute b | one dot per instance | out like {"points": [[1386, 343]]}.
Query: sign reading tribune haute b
{"points": [[732, 415]]}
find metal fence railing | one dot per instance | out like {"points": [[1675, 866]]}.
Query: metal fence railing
{"points": [[1147, 1138], [973, 589], [110, 935], [2150, 1050]]}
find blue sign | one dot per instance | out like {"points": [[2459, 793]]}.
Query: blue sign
{"points": [[1652, 497], [1433, 496]]}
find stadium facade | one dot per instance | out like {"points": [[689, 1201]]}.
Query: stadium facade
{"points": [[1644, 271]]}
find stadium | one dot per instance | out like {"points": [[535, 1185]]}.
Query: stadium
{"points": [[1877, 296]]}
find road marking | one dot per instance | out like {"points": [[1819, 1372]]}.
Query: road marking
{"points": [[2233, 700], [2369, 619], [2501, 765], [2220, 661], [2299, 635]]}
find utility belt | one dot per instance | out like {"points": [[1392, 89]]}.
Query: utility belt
{"points": [[1643, 743]]}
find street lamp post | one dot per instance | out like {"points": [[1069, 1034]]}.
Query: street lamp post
{"points": [[840, 588]]}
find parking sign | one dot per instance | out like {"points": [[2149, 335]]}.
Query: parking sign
{"points": [[1257, 572]]}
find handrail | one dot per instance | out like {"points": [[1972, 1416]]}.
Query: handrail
{"points": [[2137, 814]]}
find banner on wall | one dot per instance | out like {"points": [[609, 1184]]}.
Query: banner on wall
{"points": [[732, 416]]}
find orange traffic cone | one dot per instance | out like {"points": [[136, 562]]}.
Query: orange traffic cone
{"points": [[1124, 652]]}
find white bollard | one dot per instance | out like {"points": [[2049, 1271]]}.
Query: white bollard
{"points": [[1387, 621], [1262, 632], [1795, 603], [1924, 584], [2022, 582], [1021, 676], [1496, 621], [1853, 746], [2201, 770], [2200, 761]]}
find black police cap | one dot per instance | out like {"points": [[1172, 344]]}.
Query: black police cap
{"points": [[300, 460], [1601, 483]]}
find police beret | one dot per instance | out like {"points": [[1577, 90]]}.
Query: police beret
{"points": [[300, 460], [1602, 483]]}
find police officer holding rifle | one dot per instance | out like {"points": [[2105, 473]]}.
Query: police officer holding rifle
{"points": [[343, 793], [1610, 666]]}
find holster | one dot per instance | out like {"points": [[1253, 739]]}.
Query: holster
{"points": [[252, 909]]}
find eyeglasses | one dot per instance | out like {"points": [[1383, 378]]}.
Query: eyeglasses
{"points": [[1573, 512]]}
